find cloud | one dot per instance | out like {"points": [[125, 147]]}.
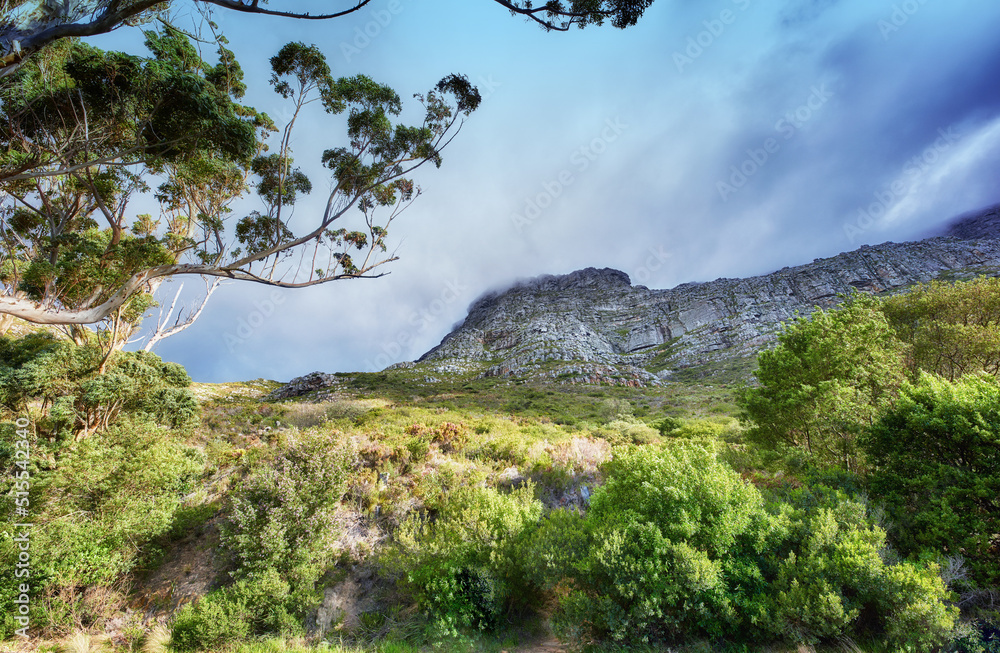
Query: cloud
{"points": [[858, 103]]}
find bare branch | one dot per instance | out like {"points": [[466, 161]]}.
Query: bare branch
{"points": [[163, 331]]}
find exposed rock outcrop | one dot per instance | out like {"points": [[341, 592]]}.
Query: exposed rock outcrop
{"points": [[595, 326]]}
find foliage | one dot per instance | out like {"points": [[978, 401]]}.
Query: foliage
{"points": [[830, 375], [98, 515], [676, 546], [665, 539], [253, 606], [282, 515], [952, 329], [77, 399], [936, 465], [461, 566], [174, 117], [85, 131], [835, 581]]}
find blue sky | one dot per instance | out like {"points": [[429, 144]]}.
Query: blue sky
{"points": [[721, 138]]}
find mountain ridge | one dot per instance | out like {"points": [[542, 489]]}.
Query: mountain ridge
{"points": [[593, 325]]}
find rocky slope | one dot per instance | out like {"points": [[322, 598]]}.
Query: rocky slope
{"points": [[595, 326], [978, 224]]}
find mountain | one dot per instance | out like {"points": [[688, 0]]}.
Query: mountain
{"points": [[594, 326], [978, 224]]}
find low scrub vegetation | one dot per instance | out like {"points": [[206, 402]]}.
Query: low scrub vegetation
{"points": [[847, 499]]}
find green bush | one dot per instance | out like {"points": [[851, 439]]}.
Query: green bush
{"points": [[677, 547], [669, 541], [75, 398], [99, 514], [936, 465], [253, 606], [951, 328], [835, 581], [461, 567], [282, 515], [829, 377], [628, 430]]}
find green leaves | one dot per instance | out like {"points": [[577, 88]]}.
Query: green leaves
{"points": [[306, 65], [936, 464], [830, 376]]}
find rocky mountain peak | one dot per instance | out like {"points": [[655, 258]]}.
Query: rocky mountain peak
{"points": [[593, 326]]}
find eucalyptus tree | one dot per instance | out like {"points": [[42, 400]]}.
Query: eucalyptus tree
{"points": [[86, 131], [31, 25], [83, 132]]}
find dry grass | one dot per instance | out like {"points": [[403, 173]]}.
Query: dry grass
{"points": [[83, 642], [157, 639]]}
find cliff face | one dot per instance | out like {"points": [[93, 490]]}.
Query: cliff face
{"points": [[595, 326], [976, 225]]}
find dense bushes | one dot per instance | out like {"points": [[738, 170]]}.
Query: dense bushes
{"points": [[282, 514], [97, 515], [671, 539], [677, 546], [75, 399], [951, 329], [253, 606], [834, 581], [830, 376], [936, 465], [280, 528], [462, 566]]}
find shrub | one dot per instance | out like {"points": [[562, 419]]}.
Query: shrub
{"points": [[936, 459], [76, 399], [676, 546], [835, 581], [830, 376], [253, 606], [460, 566], [951, 328], [282, 514], [669, 542], [98, 515], [628, 431]]}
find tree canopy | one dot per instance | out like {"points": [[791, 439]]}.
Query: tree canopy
{"points": [[33, 24], [85, 131]]}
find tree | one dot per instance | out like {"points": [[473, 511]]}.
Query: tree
{"points": [[31, 25], [830, 375], [84, 130], [952, 329], [181, 120], [936, 464]]}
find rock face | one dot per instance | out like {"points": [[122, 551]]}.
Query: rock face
{"points": [[978, 225], [595, 326]]}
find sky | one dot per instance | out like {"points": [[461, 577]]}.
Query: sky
{"points": [[720, 138]]}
